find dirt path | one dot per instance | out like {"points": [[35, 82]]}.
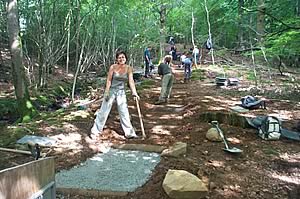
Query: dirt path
{"points": [[266, 169]]}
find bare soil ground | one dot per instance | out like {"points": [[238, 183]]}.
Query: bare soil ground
{"points": [[265, 169]]}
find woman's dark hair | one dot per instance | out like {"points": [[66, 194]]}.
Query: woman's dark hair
{"points": [[168, 59], [118, 53]]}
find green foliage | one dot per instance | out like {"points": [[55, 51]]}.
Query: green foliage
{"points": [[60, 91], [198, 74], [8, 108], [251, 76], [285, 44], [9, 136], [146, 84]]}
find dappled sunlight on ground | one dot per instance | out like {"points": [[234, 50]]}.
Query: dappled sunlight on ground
{"points": [[288, 179], [161, 130], [259, 172], [76, 114], [170, 116], [283, 114]]}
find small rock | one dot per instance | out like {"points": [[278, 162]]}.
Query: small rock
{"points": [[205, 152], [253, 194], [228, 168], [213, 135], [212, 185]]}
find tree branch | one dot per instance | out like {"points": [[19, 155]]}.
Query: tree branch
{"points": [[275, 18]]}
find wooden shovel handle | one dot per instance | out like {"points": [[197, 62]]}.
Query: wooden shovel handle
{"points": [[140, 117]]}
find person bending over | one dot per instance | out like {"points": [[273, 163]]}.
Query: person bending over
{"points": [[165, 70]]}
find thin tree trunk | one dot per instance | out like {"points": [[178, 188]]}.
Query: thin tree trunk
{"points": [[114, 32], [162, 14], [260, 24], [252, 57], [78, 69], [193, 42], [240, 21], [25, 108], [209, 34], [298, 8], [68, 37], [78, 32], [42, 46]]}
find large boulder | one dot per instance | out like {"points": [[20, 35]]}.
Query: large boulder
{"points": [[213, 135], [180, 184]]}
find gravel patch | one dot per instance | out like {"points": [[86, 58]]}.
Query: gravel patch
{"points": [[116, 170]]}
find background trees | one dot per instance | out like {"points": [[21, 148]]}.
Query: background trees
{"points": [[25, 107], [80, 35]]}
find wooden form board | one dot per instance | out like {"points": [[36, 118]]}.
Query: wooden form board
{"points": [[25, 180]]}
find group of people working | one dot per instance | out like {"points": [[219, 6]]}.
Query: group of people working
{"points": [[120, 73]]}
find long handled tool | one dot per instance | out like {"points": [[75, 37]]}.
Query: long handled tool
{"points": [[231, 150], [35, 151], [140, 116]]}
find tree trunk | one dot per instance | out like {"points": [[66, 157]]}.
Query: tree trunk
{"points": [[193, 42], [42, 47], [260, 24], [209, 34], [240, 21], [162, 14], [25, 107], [78, 24], [68, 39]]}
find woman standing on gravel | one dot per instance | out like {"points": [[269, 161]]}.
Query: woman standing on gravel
{"points": [[119, 74]]}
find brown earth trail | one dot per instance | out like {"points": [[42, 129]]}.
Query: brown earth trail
{"points": [[265, 169]]}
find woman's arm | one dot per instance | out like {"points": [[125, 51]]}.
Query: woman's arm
{"points": [[109, 78], [131, 81], [172, 66]]}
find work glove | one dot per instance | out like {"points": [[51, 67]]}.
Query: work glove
{"points": [[136, 96], [106, 95]]}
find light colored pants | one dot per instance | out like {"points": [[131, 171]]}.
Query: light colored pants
{"points": [[105, 109], [166, 86]]}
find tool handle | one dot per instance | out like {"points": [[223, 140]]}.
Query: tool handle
{"points": [[140, 117], [216, 125]]}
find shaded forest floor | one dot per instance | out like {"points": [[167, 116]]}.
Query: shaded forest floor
{"points": [[265, 169]]}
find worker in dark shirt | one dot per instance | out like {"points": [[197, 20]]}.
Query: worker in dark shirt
{"points": [[165, 70], [147, 58]]}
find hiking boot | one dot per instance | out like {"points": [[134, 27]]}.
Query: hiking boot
{"points": [[94, 134]]}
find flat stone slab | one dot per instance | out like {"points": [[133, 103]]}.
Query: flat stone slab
{"points": [[42, 141], [115, 171], [239, 109], [140, 147]]}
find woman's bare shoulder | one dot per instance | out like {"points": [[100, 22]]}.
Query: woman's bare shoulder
{"points": [[129, 68], [113, 66]]}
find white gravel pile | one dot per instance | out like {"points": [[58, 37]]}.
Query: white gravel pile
{"points": [[116, 170]]}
